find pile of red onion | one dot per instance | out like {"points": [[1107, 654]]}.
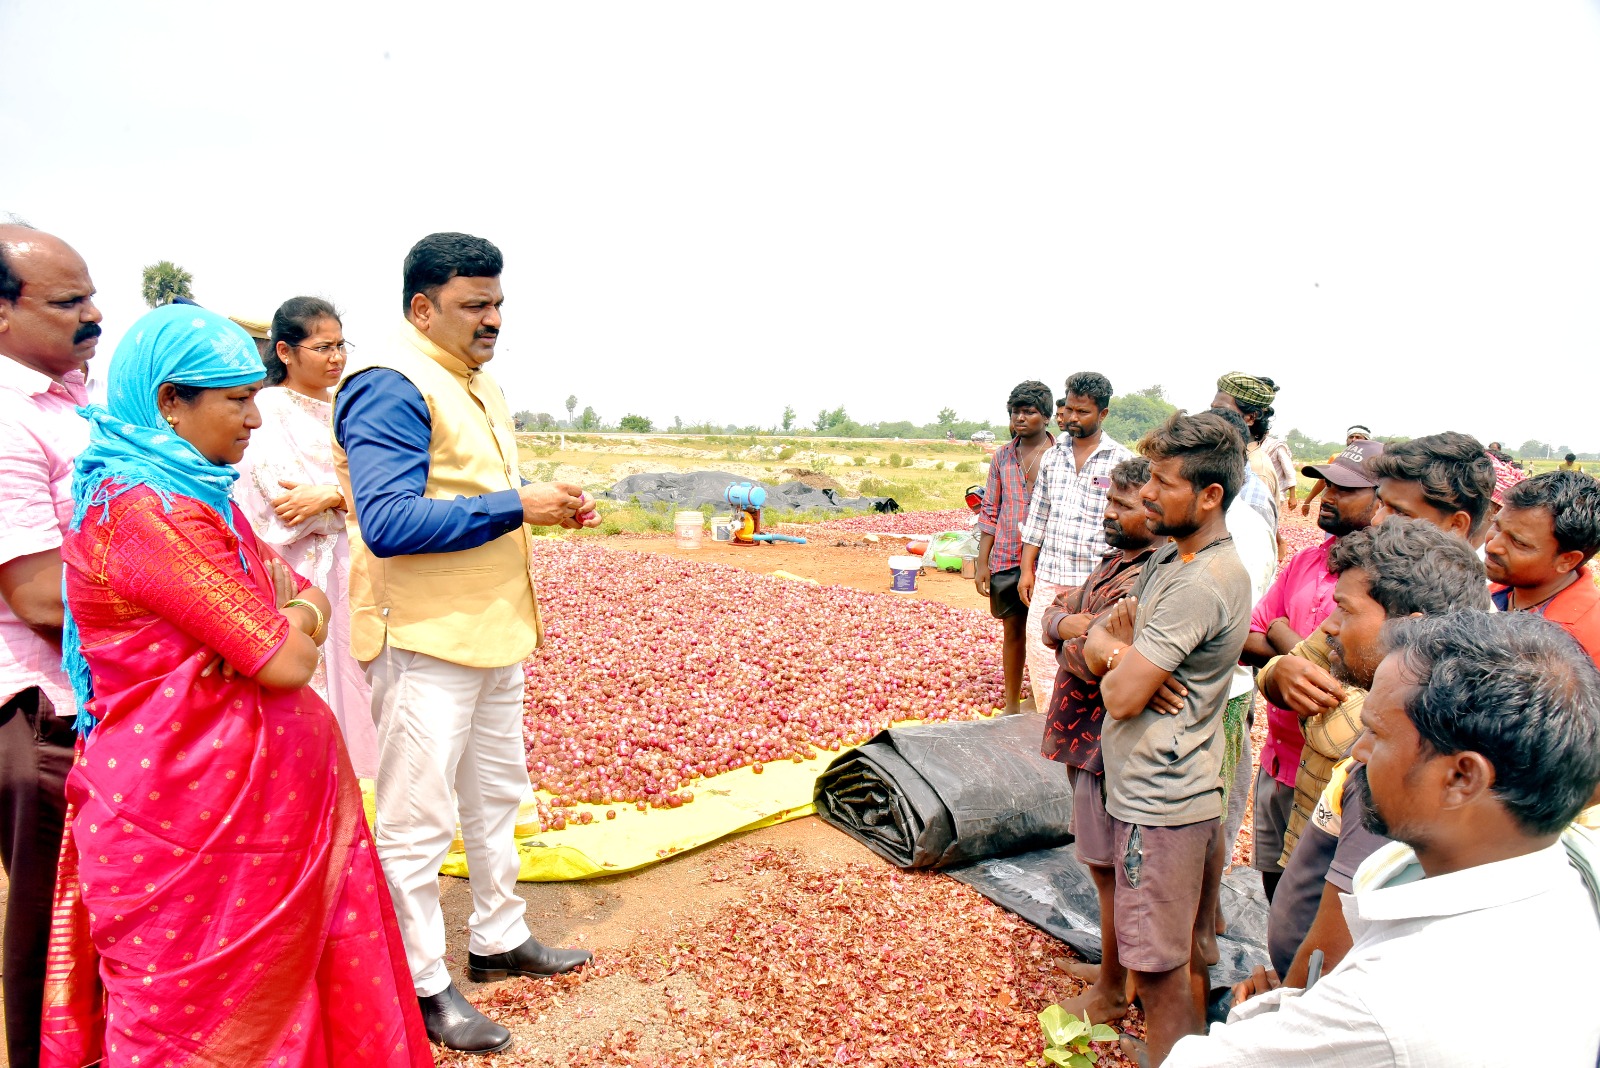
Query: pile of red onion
{"points": [[658, 672]]}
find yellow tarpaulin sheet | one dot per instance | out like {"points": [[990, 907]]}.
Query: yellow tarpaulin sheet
{"points": [[738, 800]]}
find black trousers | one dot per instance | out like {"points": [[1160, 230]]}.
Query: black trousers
{"points": [[35, 756]]}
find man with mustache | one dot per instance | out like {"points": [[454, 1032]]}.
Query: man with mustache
{"points": [[1062, 539], [1539, 545], [1444, 479], [1184, 626], [1404, 567], [49, 327], [1073, 721], [443, 612], [1482, 744], [1299, 599], [1358, 432]]}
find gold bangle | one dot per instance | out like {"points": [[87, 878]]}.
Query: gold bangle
{"points": [[319, 631]]}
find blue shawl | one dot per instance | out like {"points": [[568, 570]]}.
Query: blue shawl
{"points": [[131, 445]]}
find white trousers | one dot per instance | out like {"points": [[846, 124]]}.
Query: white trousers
{"points": [[443, 727], [1041, 659]]}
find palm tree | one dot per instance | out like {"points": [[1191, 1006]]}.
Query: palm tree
{"points": [[165, 281], [572, 403]]}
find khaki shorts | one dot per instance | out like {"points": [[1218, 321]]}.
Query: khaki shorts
{"points": [[1273, 803], [1091, 825], [1156, 917]]}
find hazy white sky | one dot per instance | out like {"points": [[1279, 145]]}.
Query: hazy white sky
{"points": [[712, 209]]}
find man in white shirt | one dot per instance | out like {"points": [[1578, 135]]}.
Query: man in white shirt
{"points": [[1482, 744]]}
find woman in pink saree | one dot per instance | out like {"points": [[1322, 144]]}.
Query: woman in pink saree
{"points": [[288, 491], [218, 877]]}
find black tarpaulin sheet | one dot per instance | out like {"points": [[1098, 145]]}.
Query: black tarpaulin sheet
{"points": [[940, 794], [693, 489], [1051, 890], [978, 800]]}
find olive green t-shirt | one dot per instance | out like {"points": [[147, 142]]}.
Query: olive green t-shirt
{"points": [[1166, 770]]}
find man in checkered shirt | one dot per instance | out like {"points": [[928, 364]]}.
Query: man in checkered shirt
{"points": [[1064, 537]]}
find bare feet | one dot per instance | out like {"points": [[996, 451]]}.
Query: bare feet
{"points": [[1095, 1005], [1082, 969], [1135, 1050]]}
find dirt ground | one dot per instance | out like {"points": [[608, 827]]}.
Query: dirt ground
{"points": [[610, 915], [619, 917]]}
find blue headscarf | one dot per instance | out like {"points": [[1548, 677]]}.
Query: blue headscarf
{"points": [[131, 445]]}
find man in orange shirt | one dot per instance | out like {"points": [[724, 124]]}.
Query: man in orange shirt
{"points": [[1537, 550]]}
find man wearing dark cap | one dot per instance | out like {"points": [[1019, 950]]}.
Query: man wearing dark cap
{"points": [[1292, 610], [1357, 432]]}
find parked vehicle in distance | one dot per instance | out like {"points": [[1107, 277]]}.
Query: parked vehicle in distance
{"points": [[983, 435]]}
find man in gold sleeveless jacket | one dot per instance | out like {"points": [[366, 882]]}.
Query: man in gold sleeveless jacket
{"points": [[443, 612]]}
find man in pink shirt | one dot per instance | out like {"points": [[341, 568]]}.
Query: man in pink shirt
{"points": [[1298, 601], [49, 327]]}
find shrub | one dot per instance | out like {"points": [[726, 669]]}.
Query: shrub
{"points": [[860, 461], [967, 467], [786, 452], [894, 459]]}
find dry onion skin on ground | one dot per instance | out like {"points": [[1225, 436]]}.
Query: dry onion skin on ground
{"points": [[659, 671], [861, 965]]}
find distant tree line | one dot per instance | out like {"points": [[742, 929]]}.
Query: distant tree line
{"points": [[1132, 415]]}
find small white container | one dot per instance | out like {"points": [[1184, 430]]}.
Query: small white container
{"points": [[903, 573], [688, 527]]}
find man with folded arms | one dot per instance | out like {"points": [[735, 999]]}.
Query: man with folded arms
{"points": [[1074, 719], [1185, 624]]}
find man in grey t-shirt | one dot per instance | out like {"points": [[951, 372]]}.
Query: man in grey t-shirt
{"points": [[1182, 629]]}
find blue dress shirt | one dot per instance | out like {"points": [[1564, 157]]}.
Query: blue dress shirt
{"points": [[382, 423]]}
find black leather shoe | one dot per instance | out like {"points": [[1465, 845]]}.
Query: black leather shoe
{"points": [[532, 958], [453, 1022]]}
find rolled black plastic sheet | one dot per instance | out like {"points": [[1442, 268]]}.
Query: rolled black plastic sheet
{"points": [[936, 795], [978, 800]]}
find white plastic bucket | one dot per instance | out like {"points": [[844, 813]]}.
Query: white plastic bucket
{"points": [[903, 571], [688, 526], [722, 528]]}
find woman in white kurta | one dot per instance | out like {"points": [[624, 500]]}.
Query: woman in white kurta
{"points": [[288, 490]]}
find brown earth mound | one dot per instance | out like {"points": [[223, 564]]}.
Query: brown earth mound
{"points": [[807, 477]]}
